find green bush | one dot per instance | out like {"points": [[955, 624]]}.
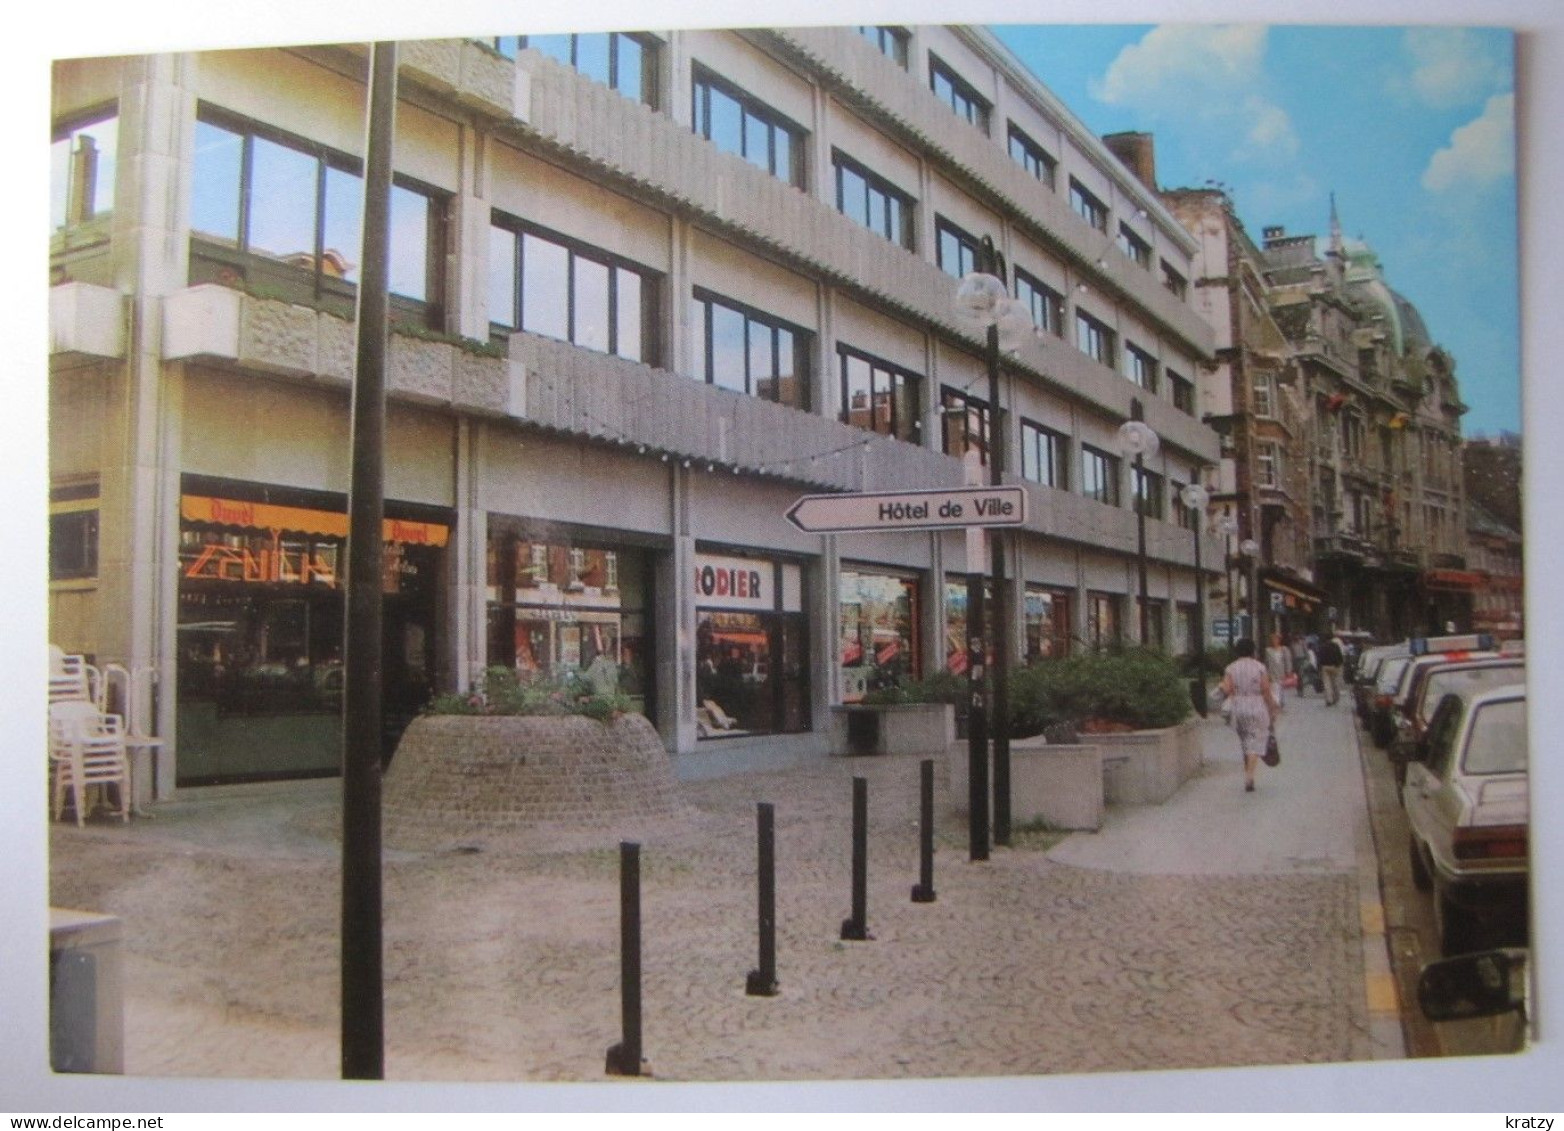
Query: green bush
{"points": [[503, 692], [1137, 687], [941, 687]]}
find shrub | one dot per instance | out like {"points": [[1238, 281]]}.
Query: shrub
{"points": [[503, 692], [1135, 687]]}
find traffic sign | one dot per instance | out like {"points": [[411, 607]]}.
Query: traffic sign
{"points": [[910, 510]]}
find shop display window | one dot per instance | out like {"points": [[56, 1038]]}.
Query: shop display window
{"points": [[1047, 623], [879, 635], [751, 648]]}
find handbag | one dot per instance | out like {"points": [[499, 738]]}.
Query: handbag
{"points": [[1290, 680], [1273, 752]]}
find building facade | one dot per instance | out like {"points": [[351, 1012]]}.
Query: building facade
{"points": [[646, 290]]}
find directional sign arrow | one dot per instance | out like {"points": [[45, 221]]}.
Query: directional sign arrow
{"points": [[910, 510]]}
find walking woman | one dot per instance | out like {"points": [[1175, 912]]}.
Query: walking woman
{"points": [[1247, 685]]}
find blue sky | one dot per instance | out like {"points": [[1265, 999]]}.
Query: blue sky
{"points": [[1413, 129]]}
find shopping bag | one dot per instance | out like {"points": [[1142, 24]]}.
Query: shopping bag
{"points": [[1290, 680]]}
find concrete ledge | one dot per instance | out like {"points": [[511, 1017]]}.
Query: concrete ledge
{"points": [[1146, 767], [898, 728], [1060, 786]]}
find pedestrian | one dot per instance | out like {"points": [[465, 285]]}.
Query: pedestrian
{"points": [[1298, 648], [1331, 659], [1278, 665], [1246, 684]]}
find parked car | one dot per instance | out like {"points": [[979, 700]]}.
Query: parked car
{"points": [[1467, 807], [1388, 676], [1367, 672], [1432, 682], [1422, 652]]}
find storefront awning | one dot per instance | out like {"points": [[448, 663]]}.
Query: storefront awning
{"points": [[301, 520], [1294, 588], [1452, 580]]}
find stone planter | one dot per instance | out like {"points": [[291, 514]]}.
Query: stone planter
{"points": [[1060, 786], [461, 779], [1146, 767], [901, 728]]}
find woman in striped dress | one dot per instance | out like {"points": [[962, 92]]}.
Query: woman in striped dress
{"points": [[1247, 685]]}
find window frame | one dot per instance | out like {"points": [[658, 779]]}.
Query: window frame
{"points": [[1173, 282], [1148, 491], [74, 518], [704, 81], [64, 130], [978, 110], [1096, 339], [1033, 157], [966, 242], [874, 183], [1144, 369], [1134, 246], [1108, 468], [649, 45], [1037, 439], [1085, 204], [649, 314], [1042, 298], [1182, 390], [899, 40], [910, 431], [952, 398], [803, 339]]}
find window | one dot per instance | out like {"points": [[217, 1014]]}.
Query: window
{"points": [[892, 42], [1047, 622], [1173, 281], [966, 426], [873, 201], [1183, 515], [1268, 466], [1087, 206], [738, 123], [73, 532], [1183, 392], [878, 642], [625, 61], [955, 250], [1131, 244], [752, 353], [82, 159], [1103, 625], [293, 210], [1093, 338], [1099, 475], [1264, 395], [545, 285], [1142, 367], [1044, 455], [879, 397], [1149, 494], [955, 92], [1045, 304], [1032, 157]]}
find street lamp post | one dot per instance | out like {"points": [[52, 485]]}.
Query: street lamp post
{"points": [[1249, 550], [983, 295], [1137, 439], [1195, 497], [1227, 526]]}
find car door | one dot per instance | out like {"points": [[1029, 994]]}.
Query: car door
{"points": [[1426, 789]]}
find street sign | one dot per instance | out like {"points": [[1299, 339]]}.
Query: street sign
{"points": [[910, 510], [1224, 629]]}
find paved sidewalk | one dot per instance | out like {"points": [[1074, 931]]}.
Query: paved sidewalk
{"points": [[1217, 929]]}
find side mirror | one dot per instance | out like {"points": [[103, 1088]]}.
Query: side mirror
{"points": [[1485, 984]]}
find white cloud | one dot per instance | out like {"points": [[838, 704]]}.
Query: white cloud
{"points": [[1480, 152], [1211, 76], [1452, 66]]}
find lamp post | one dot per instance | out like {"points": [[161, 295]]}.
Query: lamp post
{"points": [[1227, 526], [983, 296], [1195, 497], [1137, 439], [1249, 551]]}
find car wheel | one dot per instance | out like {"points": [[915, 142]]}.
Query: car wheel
{"points": [[1453, 925], [1383, 733], [1421, 879]]}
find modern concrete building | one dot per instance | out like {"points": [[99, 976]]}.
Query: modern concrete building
{"points": [[648, 288]]}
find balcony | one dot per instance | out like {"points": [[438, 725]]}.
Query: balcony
{"points": [[86, 323]]}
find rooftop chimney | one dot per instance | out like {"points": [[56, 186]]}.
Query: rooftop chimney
{"points": [[1138, 153]]}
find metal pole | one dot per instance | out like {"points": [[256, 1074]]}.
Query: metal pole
{"points": [[977, 721], [1140, 541], [923, 891], [363, 984], [763, 981], [856, 929], [624, 1059], [1200, 619], [1000, 700]]}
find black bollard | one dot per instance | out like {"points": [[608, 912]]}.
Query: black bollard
{"points": [[624, 1059], [856, 929], [763, 982], [923, 890]]}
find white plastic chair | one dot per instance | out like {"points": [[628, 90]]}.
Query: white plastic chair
{"points": [[86, 749], [71, 677]]}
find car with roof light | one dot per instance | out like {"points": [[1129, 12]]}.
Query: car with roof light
{"points": [[1421, 652], [1467, 801], [1429, 683]]}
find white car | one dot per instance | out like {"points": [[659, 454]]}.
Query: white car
{"points": [[1467, 805]]}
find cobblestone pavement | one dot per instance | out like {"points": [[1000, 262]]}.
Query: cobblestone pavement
{"points": [[502, 959]]}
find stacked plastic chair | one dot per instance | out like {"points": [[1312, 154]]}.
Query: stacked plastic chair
{"points": [[86, 746]]}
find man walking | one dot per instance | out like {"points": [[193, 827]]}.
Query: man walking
{"points": [[1331, 657]]}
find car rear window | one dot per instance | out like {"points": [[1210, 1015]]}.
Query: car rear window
{"points": [[1466, 682], [1498, 739], [1390, 674]]}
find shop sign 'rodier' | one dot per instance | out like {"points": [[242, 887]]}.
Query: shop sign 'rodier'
{"points": [[735, 583], [910, 510]]}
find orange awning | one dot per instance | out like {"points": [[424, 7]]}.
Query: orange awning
{"points": [[302, 520]]}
